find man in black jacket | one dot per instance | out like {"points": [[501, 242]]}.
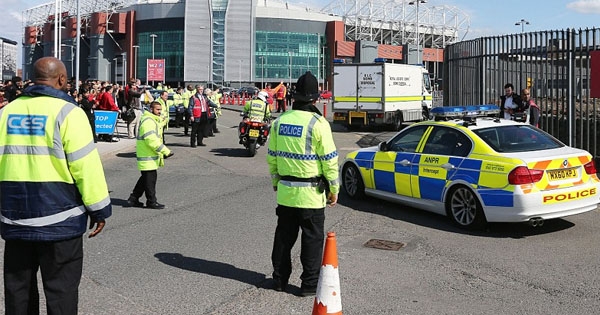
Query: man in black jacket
{"points": [[510, 102]]}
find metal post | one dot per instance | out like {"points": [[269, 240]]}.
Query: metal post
{"points": [[290, 63], [262, 71], [417, 2], [240, 72], [318, 59], [153, 36], [522, 22], [135, 57], [77, 46]]}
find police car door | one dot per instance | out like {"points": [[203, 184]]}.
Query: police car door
{"points": [[440, 161], [392, 167]]}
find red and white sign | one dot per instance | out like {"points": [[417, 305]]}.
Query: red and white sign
{"points": [[155, 69]]}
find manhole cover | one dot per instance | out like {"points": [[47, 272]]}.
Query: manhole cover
{"points": [[383, 244]]}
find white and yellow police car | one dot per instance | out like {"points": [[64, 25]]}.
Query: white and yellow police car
{"points": [[476, 170]]}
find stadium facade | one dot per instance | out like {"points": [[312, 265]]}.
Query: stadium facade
{"points": [[8, 58], [235, 42]]}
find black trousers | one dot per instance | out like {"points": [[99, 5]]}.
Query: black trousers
{"points": [[199, 132], [146, 184], [289, 221], [280, 106], [61, 265], [186, 122]]}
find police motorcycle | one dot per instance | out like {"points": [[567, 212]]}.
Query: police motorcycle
{"points": [[253, 133]]}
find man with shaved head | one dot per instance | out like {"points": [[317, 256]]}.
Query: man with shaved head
{"points": [[51, 182]]}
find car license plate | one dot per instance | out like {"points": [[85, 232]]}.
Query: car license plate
{"points": [[561, 174], [339, 118], [254, 133]]}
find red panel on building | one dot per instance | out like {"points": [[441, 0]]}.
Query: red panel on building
{"points": [[389, 52], [595, 74], [70, 28], [344, 49], [118, 22], [433, 54], [98, 23], [48, 33], [30, 35]]}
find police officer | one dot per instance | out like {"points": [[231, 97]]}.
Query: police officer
{"points": [[255, 110], [51, 182], [150, 152], [165, 103], [303, 162]]}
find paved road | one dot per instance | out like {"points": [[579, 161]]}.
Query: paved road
{"points": [[209, 251]]}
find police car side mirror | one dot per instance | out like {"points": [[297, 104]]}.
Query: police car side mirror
{"points": [[383, 146]]}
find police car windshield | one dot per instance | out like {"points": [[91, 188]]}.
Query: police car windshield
{"points": [[517, 138]]}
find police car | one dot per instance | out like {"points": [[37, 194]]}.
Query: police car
{"points": [[476, 168]]}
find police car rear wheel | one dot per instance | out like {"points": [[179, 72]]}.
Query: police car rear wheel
{"points": [[464, 208], [353, 183]]}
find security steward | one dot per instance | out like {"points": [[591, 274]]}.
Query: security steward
{"points": [[179, 108], [150, 152], [51, 181], [187, 95], [303, 162], [165, 103]]}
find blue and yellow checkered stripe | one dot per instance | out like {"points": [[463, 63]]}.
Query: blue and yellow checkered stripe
{"points": [[429, 179]]}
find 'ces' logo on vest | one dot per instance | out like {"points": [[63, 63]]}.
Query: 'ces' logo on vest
{"points": [[34, 125], [290, 130]]}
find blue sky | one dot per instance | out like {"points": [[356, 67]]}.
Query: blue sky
{"points": [[488, 17]]}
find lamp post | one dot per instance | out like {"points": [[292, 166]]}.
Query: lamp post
{"points": [[323, 65], [417, 2], [240, 72], [72, 53], [116, 64], [262, 71], [153, 36], [290, 65], [522, 22], [318, 59], [135, 56]]}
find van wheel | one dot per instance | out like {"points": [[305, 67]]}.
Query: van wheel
{"points": [[464, 209], [398, 121]]}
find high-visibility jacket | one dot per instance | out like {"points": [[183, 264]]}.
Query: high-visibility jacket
{"points": [[301, 148], [177, 99], [186, 97], [164, 114], [257, 110], [51, 175], [149, 148]]}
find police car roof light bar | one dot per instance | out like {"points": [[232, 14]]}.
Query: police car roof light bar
{"points": [[448, 112]]}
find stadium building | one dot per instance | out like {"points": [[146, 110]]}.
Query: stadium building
{"points": [[235, 42], [8, 58]]}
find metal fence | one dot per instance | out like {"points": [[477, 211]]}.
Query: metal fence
{"points": [[555, 65]]}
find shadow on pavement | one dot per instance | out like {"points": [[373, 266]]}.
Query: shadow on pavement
{"points": [[126, 154], [213, 268], [435, 221], [230, 152], [118, 202]]}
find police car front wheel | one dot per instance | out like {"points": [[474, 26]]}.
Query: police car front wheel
{"points": [[352, 182], [464, 209]]}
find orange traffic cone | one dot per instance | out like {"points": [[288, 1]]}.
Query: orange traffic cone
{"points": [[328, 299]]}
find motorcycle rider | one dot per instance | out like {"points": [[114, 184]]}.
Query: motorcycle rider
{"points": [[256, 110]]}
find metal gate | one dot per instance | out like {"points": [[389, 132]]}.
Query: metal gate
{"points": [[555, 65]]}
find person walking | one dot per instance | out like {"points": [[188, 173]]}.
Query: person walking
{"points": [[150, 153], [133, 101], [303, 163], [199, 112], [52, 181], [178, 101]]}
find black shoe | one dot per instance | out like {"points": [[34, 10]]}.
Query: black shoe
{"points": [[279, 285], [216, 131], [308, 290], [134, 202], [155, 205], [202, 144], [211, 135], [193, 146]]}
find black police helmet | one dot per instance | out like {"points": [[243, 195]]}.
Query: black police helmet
{"points": [[307, 88]]}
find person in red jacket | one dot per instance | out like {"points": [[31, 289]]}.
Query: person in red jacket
{"points": [[107, 100]]}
